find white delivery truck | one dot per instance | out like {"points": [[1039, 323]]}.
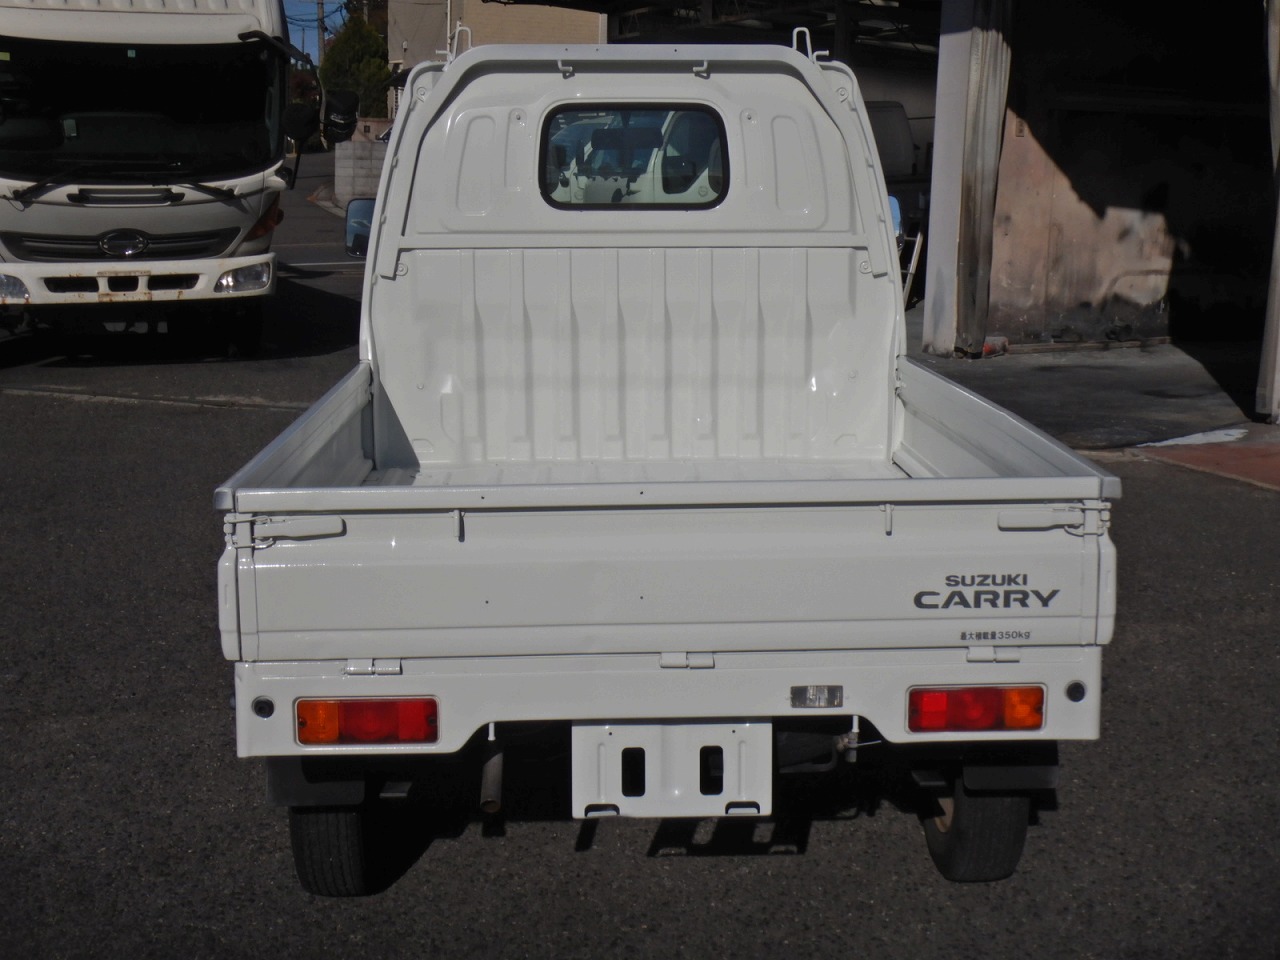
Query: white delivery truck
{"points": [[633, 453], [141, 151]]}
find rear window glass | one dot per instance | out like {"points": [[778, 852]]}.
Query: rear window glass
{"points": [[634, 156]]}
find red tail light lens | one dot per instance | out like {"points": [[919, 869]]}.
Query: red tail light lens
{"points": [[367, 721], [959, 709]]}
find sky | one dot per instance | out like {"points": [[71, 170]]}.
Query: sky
{"points": [[302, 22]]}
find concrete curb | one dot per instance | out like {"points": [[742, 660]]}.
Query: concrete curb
{"points": [[1249, 453], [323, 198]]}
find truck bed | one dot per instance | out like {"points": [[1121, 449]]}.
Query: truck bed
{"points": [[621, 558], [948, 435]]}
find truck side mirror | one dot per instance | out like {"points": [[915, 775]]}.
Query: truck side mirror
{"points": [[301, 121], [558, 171], [359, 226], [678, 174], [341, 109]]}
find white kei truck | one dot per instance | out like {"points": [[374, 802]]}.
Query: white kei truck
{"points": [[633, 454], [141, 162]]}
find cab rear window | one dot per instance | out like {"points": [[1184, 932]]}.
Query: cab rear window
{"points": [[648, 156]]}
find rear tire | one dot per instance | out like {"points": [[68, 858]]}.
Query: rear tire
{"points": [[979, 837], [331, 850]]}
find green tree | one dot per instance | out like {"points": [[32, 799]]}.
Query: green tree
{"points": [[374, 11], [303, 86], [356, 60]]}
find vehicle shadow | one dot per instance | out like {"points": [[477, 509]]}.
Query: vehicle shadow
{"points": [[307, 321], [443, 804], [536, 788]]}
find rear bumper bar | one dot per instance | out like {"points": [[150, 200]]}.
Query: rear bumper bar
{"points": [[473, 692]]}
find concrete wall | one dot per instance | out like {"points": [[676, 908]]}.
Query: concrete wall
{"points": [[417, 31], [503, 23], [357, 165], [1135, 184]]}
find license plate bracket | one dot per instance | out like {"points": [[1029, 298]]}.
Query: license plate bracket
{"points": [[672, 769]]}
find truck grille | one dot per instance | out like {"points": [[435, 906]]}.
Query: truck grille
{"points": [[173, 246], [123, 283]]}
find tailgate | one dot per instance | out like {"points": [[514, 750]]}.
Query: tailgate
{"points": [[674, 580]]}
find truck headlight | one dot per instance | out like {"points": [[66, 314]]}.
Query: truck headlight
{"points": [[244, 279], [11, 288]]}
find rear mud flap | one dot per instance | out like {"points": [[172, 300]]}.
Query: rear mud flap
{"points": [[672, 769]]}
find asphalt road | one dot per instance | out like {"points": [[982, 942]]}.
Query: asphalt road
{"points": [[129, 828]]}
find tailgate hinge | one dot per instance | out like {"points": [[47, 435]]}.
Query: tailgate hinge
{"points": [[387, 667], [993, 655], [686, 661]]}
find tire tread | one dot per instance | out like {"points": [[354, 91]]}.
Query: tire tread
{"points": [[330, 852], [985, 839]]}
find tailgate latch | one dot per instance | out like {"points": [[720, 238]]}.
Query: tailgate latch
{"points": [[267, 532]]}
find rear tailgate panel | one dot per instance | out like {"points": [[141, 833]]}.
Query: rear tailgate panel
{"points": [[620, 581]]}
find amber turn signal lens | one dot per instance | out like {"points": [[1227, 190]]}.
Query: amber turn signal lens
{"points": [[1024, 708], [318, 721]]}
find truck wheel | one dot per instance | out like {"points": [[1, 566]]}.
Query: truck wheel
{"points": [[979, 836], [331, 850]]}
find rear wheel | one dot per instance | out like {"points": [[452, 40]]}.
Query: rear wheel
{"points": [[331, 850], [978, 836]]}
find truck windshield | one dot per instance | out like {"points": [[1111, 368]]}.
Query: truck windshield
{"points": [[138, 113]]}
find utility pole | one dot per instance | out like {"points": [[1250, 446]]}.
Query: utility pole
{"points": [[319, 32]]}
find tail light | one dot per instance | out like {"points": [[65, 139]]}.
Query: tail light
{"points": [[367, 721], [960, 709]]}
